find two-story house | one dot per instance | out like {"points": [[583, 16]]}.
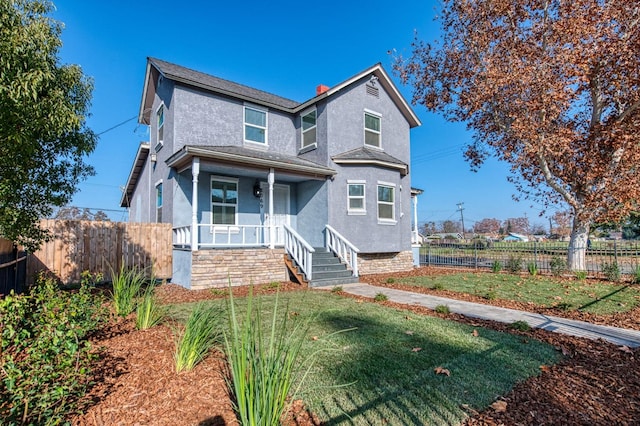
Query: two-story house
{"points": [[252, 181]]}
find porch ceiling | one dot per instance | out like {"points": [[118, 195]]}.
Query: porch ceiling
{"points": [[248, 162]]}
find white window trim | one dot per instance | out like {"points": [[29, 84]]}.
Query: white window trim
{"points": [[245, 124], [302, 131], [386, 221], [364, 128], [220, 227], [160, 143], [363, 210], [158, 183]]}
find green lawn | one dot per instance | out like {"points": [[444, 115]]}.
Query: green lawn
{"points": [[381, 371], [594, 297]]}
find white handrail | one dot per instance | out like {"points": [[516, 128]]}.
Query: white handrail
{"points": [[299, 250], [182, 236], [346, 251]]}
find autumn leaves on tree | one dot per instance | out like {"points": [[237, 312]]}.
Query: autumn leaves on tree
{"points": [[552, 87]]}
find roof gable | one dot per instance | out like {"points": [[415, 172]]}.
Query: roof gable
{"points": [[157, 68]]}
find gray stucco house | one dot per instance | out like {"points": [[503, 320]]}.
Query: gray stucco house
{"points": [[252, 182]]}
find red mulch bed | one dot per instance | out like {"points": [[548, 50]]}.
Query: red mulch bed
{"points": [[596, 384]]}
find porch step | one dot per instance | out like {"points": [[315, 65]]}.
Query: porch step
{"points": [[327, 270]]}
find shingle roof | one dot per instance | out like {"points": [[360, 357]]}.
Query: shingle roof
{"points": [[366, 155], [240, 155], [216, 84]]}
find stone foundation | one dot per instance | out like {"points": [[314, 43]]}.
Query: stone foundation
{"points": [[214, 268], [380, 263]]}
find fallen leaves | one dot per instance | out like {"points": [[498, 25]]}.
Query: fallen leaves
{"points": [[442, 370], [625, 349], [499, 406], [416, 349], [475, 333]]}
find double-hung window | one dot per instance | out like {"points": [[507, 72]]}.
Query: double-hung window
{"points": [[309, 128], [159, 202], [386, 202], [372, 131], [355, 197], [160, 126], [224, 201], [255, 125]]}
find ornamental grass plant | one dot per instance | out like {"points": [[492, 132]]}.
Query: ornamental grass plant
{"points": [[261, 361], [149, 312], [201, 333], [126, 284]]}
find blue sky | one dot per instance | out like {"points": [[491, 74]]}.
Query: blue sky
{"points": [[283, 47]]}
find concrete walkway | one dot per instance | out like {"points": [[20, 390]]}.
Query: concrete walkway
{"points": [[618, 336]]}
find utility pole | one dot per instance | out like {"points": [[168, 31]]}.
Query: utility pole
{"points": [[460, 204]]}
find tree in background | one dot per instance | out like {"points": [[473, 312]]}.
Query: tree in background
{"points": [[538, 229], [551, 87], [562, 220], [487, 226], [75, 213], [429, 228], [518, 225], [43, 134], [450, 227]]}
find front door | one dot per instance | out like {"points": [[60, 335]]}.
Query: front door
{"points": [[281, 213]]}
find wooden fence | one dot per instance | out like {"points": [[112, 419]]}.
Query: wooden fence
{"points": [[98, 247]]}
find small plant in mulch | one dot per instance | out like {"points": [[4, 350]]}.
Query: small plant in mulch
{"points": [[442, 309], [581, 275], [219, 291], [520, 326], [127, 284], [611, 271], [391, 280], [496, 266], [273, 285], [564, 306], [149, 312], [514, 264], [380, 297], [491, 295], [337, 289], [532, 267], [557, 265], [199, 335], [636, 275]]}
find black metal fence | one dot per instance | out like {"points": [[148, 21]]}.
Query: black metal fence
{"points": [[548, 257]]}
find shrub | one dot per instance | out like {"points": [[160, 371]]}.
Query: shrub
{"points": [[199, 335], [261, 366], [532, 267], [514, 264], [611, 271], [496, 266], [44, 354], [442, 309], [557, 265], [380, 297], [148, 312], [581, 275], [520, 326], [126, 287], [636, 275]]}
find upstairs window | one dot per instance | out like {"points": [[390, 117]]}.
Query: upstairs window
{"points": [[224, 201], [159, 202], [160, 125], [355, 197], [309, 129], [255, 125], [371, 130], [386, 204]]}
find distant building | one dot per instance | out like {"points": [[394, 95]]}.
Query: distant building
{"points": [[516, 237]]}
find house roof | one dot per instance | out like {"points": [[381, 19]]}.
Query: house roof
{"points": [[157, 68], [235, 155], [364, 155], [136, 169]]}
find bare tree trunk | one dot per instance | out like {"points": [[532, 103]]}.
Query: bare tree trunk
{"points": [[576, 258]]}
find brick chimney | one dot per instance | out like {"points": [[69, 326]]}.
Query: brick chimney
{"points": [[320, 89]]}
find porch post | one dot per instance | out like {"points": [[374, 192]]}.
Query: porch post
{"points": [[415, 218], [195, 171], [272, 230]]}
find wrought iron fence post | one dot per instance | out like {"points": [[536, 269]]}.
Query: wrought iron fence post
{"points": [[429, 256], [615, 250], [535, 253]]}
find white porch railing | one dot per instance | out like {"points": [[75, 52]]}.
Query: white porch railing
{"points": [[211, 236], [299, 250], [346, 251]]}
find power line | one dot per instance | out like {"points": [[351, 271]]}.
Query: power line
{"points": [[117, 125]]}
